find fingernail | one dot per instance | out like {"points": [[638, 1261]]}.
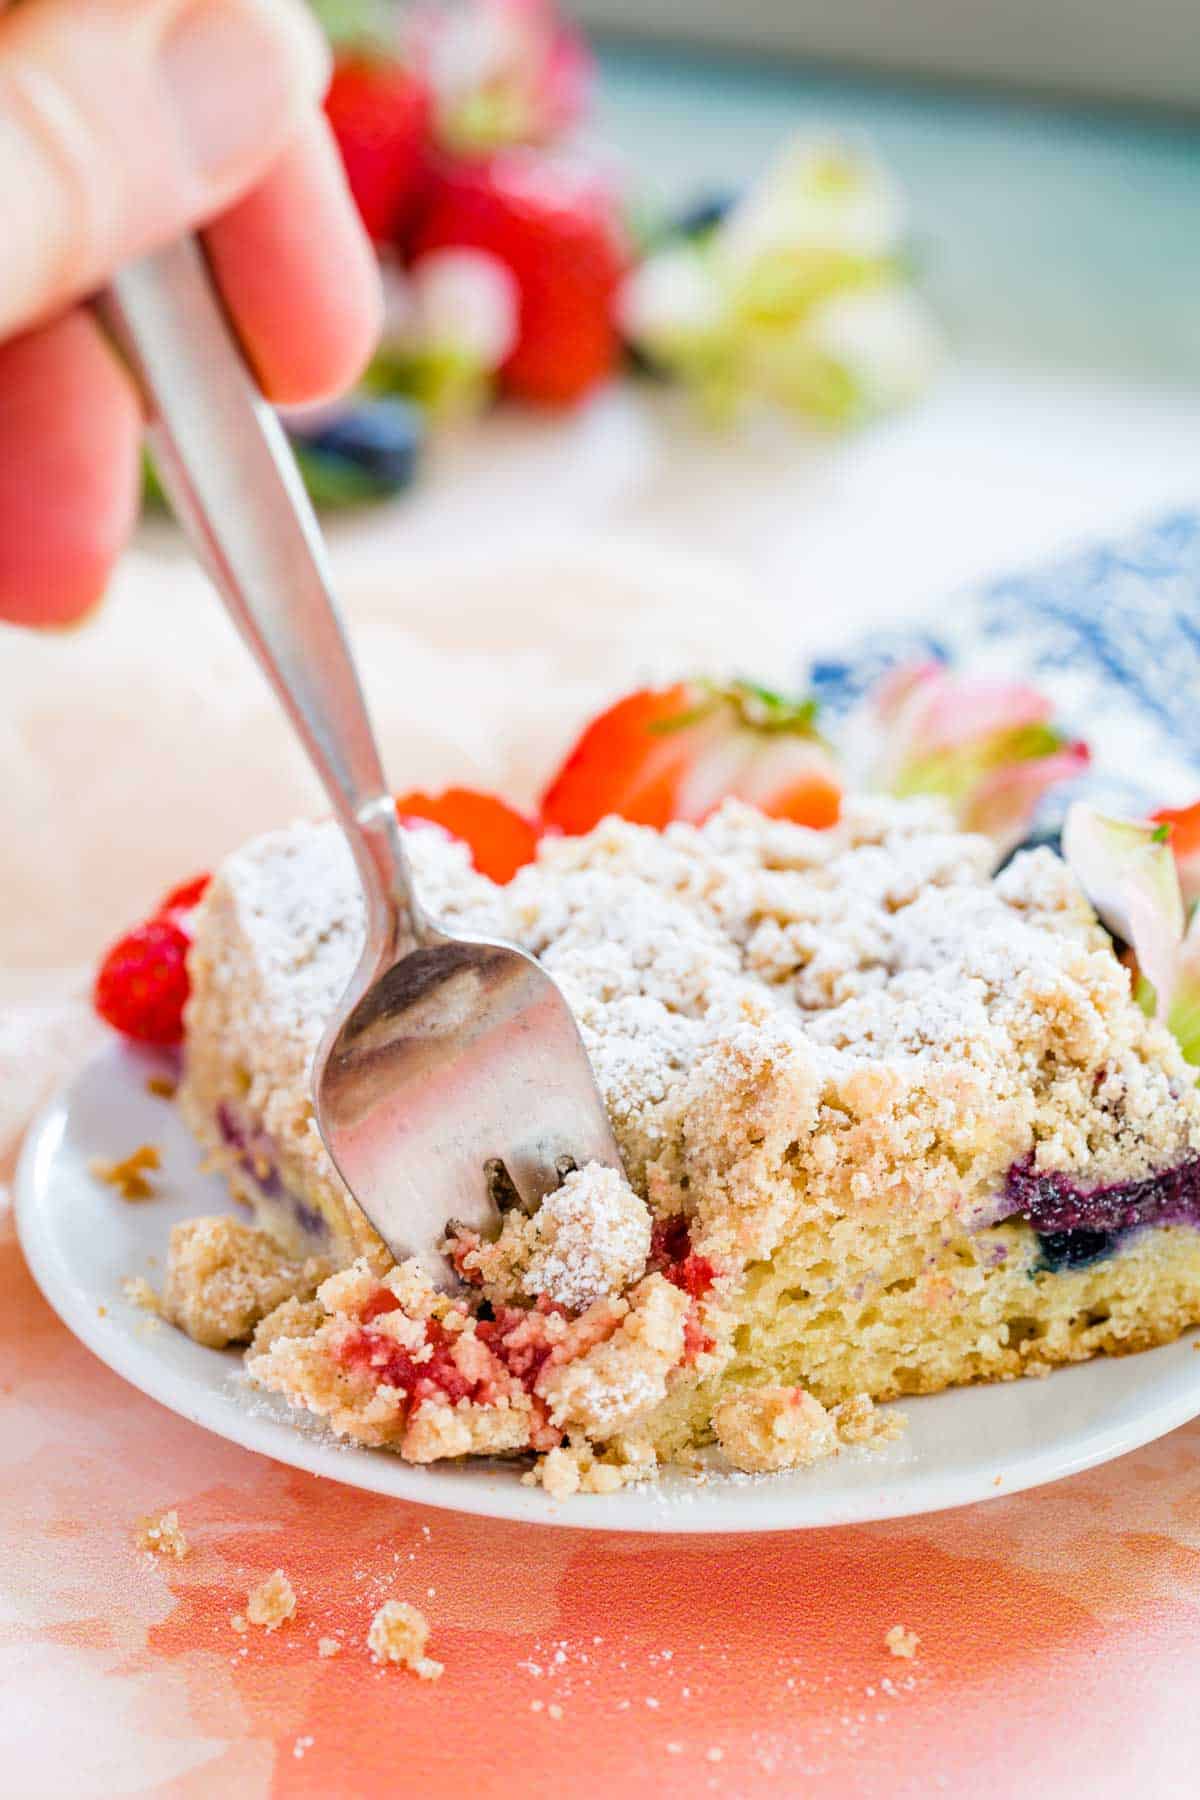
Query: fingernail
{"points": [[233, 69]]}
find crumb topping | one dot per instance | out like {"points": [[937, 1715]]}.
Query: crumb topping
{"points": [[589, 1238], [769, 1428], [902, 1642], [162, 1535], [223, 1277], [868, 987], [399, 1633]]}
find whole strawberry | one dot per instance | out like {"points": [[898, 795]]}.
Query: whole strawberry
{"points": [[556, 229], [142, 985], [381, 117]]}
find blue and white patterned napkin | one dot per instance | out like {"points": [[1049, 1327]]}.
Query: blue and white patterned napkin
{"points": [[1112, 633]]}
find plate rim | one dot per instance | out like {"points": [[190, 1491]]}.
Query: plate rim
{"points": [[665, 1508]]}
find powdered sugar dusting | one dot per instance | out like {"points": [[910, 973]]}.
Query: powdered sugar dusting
{"points": [[881, 940], [593, 1238]]}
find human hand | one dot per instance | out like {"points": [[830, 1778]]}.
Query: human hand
{"points": [[123, 124]]}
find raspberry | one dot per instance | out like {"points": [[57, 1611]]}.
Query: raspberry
{"points": [[142, 985]]}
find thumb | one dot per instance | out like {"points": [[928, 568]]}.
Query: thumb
{"points": [[127, 122]]}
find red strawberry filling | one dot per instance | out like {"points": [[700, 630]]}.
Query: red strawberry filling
{"points": [[436, 1377], [696, 1341], [503, 1353], [671, 1255]]}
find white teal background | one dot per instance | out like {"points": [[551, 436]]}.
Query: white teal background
{"points": [[1061, 249]]}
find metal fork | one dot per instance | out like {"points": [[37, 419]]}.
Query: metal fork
{"points": [[452, 1081]]}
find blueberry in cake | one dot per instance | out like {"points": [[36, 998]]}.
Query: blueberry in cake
{"points": [[898, 1109]]}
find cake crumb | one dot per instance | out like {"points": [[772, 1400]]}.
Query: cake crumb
{"points": [[768, 1428], [224, 1278], [239, 1623], [162, 1535], [554, 1710], [902, 1642], [161, 1086], [272, 1603], [860, 1421], [589, 1238], [575, 1469], [139, 1292], [129, 1176], [399, 1633], [328, 1646]]}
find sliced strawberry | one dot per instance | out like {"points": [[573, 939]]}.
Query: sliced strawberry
{"points": [[381, 116], [677, 752], [624, 764], [183, 899], [1183, 824], [142, 985], [501, 840], [557, 231]]}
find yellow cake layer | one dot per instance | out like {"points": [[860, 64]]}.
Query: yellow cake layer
{"points": [[929, 1313]]}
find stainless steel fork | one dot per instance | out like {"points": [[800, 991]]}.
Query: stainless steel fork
{"points": [[452, 1080]]}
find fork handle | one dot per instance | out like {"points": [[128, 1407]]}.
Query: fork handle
{"points": [[229, 473]]}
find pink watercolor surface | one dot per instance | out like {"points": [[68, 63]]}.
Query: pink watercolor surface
{"points": [[1058, 1629]]}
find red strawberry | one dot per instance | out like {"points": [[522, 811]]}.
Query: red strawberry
{"points": [[557, 232], [1184, 825], [143, 983], [182, 899], [381, 117], [500, 840], [677, 752]]}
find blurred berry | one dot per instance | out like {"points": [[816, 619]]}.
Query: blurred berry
{"points": [[370, 450]]}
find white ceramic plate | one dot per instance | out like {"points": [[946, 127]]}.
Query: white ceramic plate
{"points": [[82, 1240]]}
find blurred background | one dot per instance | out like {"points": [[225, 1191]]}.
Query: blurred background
{"points": [[1093, 47], [717, 337]]}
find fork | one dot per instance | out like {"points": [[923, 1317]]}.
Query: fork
{"points": [[452, 1082]]}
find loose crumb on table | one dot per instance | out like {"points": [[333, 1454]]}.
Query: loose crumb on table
{"points": [[272, 1603], [129, 1176], [902, 1642], [329, 1646], [399, 1633], [162, 1535]]}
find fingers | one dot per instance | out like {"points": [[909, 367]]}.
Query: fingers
{"points": [[70, 431], [126, 122], [298, 274]]}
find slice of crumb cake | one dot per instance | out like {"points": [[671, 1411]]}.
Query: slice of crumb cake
{"points": [[889, 1124]]}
